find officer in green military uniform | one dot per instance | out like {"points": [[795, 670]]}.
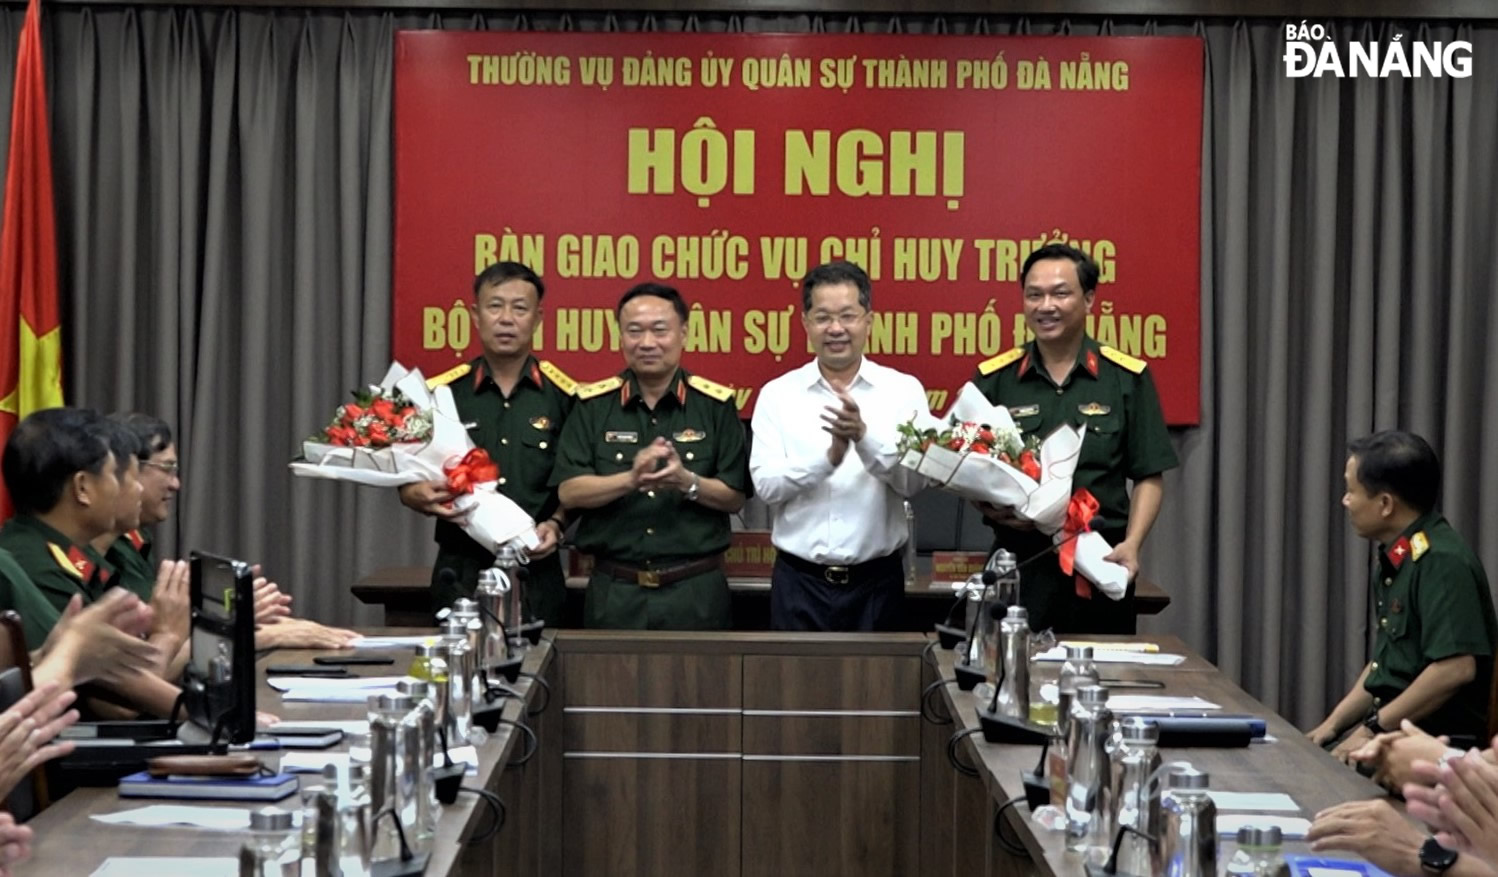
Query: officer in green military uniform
{"points": [[18, 594], [514, 406], [1065, 377], [654, 462], [65, 484], [1433, 646]]}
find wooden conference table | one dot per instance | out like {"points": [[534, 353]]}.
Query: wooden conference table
{"points": [[742, 753], [1291, 764], [68, 842], [403, 592]]}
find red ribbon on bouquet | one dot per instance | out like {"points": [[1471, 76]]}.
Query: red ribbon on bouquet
{"points": [[475, 468], [1079, 514]]}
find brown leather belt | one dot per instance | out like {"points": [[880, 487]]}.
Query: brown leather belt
{"points": [[647, 577]]}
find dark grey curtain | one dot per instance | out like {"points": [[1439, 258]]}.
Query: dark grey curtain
{"points": [[224, 186]]}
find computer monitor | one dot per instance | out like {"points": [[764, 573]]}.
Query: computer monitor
{"points": [[219, 682]]}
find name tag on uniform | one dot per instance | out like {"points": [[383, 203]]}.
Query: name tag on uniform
{"points": [[1094, 409], [689, 435], [621, 437], [1024, 410]]}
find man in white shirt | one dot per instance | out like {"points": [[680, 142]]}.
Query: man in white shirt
{"points": [[823, 456]]}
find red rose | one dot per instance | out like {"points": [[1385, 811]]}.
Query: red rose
{"points": [[351, 412], [383, 409], [954, 444], [378, 434], [1029, 465], [978, 447]]}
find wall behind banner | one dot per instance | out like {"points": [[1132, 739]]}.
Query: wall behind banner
{"points": [[226, 214], [729, 164]]}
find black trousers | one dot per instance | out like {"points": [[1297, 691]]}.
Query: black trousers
{"points": [[802, 598]]}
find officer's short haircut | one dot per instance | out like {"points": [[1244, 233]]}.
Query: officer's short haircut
{"points": [[123, 443], [46, 450], [658, 290], [501, 272], [1400, 463], [1087, 270], [153, 433], [835, 274]]}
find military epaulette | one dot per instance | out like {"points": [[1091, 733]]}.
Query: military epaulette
{"points": [[449, 376], [598, 388], [1123, 360], [1418, 545], [557, 376], [989, 366], [710, 388], [72, 561]]}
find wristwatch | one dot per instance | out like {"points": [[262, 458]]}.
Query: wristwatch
{"points": [[1435, 859], [1371, 723], [696, 488]]}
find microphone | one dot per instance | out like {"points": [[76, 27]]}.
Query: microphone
{"points": [[1093, 523], [968, 673], [446, 581], [950, 634]]}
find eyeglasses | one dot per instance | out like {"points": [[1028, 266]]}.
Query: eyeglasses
{"points": [[172, 468], [846, 319]]}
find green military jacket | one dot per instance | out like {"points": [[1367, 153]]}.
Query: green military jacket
{"points": [[1108, 392], [19, 595], [131, 555], [520, 432], [612, 424], [1113, 396], [57, 567], [1433, 602]]}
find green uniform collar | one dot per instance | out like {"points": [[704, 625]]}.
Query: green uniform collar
{"points": [[1412, 542], [630, 393], [85, 562], [1089, 360], [483, 376]]}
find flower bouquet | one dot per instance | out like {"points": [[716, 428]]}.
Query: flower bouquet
{"points": [[400, 432], [978, 453]]}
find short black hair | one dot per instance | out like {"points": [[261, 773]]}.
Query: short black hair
{"points": [[658, 290], [47, 449], [833, 274], [501, 272], [123, 443], [1087, 270], [153, 433], [1401, 463]]}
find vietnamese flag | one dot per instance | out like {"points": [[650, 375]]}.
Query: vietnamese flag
{"points": [[30, 333]]}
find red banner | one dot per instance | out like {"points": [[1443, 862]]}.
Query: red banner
{"points": [[728, 165]]}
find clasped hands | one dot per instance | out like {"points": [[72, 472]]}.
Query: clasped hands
{"points": [[657, 466]]}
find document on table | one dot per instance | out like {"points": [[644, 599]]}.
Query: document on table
{"points": [[1137, 703], [1104, 656], [313, 762], [157, 815], [347, 726], [287, 683], [1291, 827], [1255, 802], [393, 642], [157, 866]]}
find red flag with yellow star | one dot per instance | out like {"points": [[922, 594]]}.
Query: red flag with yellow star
{"points": [[30, 331]]}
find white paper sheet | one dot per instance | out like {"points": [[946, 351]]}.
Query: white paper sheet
{"points": [[393, 642], [1157, 659], [1291, 827], [221, 818], [1255, 802], [164, 867], [347, 726], [291, 683], [313, 762], [335, 695], [1132, 703]]}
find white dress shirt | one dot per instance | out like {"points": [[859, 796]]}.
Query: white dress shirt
{"points": [[843, 515]]}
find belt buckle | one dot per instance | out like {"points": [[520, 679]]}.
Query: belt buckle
{"points": [[647, 578], [837, 575]]}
